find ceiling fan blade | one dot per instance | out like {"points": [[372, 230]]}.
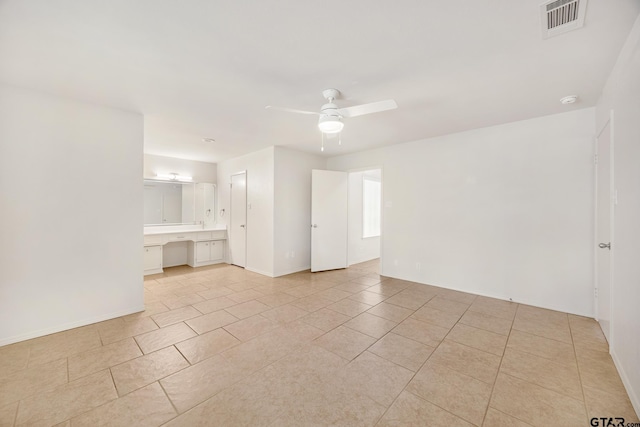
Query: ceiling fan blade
{"points": [[373, 107], [291, 110]]}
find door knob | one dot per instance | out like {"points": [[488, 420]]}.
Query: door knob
{"points": [[314, 225], [605, 245], [242, 226]]}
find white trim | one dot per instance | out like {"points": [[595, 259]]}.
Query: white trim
{"points": [[255, 270], [71, 325], [362, 232], [290, 271], [610, 124], [228, 256], [531, 302], [612, 235], [635, 399]]}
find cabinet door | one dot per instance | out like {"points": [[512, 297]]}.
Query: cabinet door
{"points": [[203, 252], [217, 250], [152, 257]]}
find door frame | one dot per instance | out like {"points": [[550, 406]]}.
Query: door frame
{"points": [[246, 217], [363, 169], [612, 201]]}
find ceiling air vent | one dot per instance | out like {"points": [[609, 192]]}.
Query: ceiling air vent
{"points": [[560, 16]]}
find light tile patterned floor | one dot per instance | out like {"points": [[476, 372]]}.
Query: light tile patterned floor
{"points": [[224, 346]]}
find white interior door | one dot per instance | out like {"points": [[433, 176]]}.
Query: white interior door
{"points": [[238, 220], [603, 230], [329, 219]]}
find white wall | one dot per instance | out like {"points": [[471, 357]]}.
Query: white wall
{"points": [[292, 203], [622, 95], [504, 211], [200, 171], [71, 214], [260, 194], [360, 250]]}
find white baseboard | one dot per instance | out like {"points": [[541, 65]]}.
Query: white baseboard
{"points": [[70, 325], [291, 271], [633, 396], [254, 270], [531, 302]]}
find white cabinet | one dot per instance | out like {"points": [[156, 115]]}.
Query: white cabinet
{"points": [[202, 246], [205, 253], [152, 259]]}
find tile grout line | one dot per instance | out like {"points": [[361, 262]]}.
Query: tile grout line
{"points": [[15, 416], [493, 387], [102, 404], [575, 353], [171, 402], [414, 374]]}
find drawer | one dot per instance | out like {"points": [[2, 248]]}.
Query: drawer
{"points": [[152, 240], [179, 237], [218, 234], [204, 235]]}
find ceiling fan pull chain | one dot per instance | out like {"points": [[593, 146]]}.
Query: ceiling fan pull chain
{"points": [[322, 147], [339, 138]]}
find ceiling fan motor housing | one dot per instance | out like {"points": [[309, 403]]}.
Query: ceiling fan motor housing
{"points": [[330, 109]]}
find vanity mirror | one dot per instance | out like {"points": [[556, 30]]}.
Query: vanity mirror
{"points": [[177, 203]]}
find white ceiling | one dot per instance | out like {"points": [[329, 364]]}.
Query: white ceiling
{"points": [[207, 68]]}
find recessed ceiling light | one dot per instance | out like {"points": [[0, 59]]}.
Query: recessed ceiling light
{"points": [[569, 99], [208, 140]]}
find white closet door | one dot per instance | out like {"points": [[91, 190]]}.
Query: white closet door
{"points": [[238, 225], [329, 219]]}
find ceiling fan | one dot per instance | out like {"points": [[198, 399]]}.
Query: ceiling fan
{"points": [[330, 120]]}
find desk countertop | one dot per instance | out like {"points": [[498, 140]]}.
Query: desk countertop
{"points": [[173, 229]]}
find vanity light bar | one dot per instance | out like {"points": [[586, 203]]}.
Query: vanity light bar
{"points": [[173, 177]]}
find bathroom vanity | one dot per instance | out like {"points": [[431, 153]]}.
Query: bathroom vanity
{"points": [[180, 226], [203, 246]]}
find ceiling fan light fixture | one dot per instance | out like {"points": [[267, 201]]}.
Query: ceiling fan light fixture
{"points": [[330, 124]]}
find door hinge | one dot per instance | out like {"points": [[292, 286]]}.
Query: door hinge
{"points": [[595, 159], [595, 292]]}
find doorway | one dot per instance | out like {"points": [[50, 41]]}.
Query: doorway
{"points": [[365, 215], [238, 220], [346, 218]]}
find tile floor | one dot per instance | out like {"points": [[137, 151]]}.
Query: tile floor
{"points": [[224, 346]]}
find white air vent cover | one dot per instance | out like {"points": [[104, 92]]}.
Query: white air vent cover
{"points": [[560, 16]]}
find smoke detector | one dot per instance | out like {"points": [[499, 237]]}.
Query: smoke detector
{"points": [[559, 16], [569, 99]]}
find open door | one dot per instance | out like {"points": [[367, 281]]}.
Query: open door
{"points": [[329, 219], [238, 223]]}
